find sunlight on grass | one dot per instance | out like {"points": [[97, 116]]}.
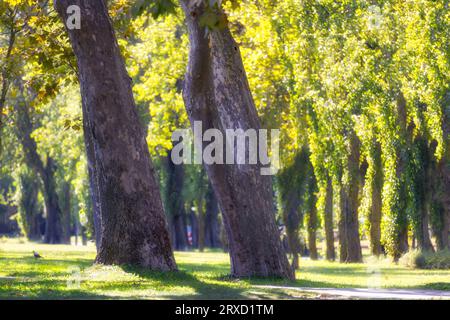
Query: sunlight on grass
{"points": [[69, 272]]}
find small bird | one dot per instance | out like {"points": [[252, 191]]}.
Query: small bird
{"points": [[37, 255]]}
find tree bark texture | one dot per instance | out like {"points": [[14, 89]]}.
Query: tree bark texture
{"points": [[216, 92], [133, 226]]}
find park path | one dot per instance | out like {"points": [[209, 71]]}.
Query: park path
{"points": [[367, 293]]}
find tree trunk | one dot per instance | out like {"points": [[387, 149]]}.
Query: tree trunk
{"points": [[175, 204], [194, 228], [201, 225], [328, 221], [349, 224], [94, 203], [66, 213], [342, 225], [212, 228], [53, 230], [6, 72], [217, 94], [312, 218], [376, 204], [441, 202], [28, 205], [422, 187], [294, 246], [133, 225], [312, 238]]}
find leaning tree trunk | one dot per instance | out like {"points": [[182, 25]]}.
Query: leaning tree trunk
{"points": [[133, 226], [217, 94], [328, 221], [53, 229]]}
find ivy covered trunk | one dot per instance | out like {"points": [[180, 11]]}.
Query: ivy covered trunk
{"points": [[395, 218], [217, 93], [350, 246], [328, 221], [133, 225], [376, 202], [28, 205]]}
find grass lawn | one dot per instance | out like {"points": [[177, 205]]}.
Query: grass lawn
{"points": [[68, 272]]}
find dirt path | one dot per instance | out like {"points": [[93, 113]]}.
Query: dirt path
{"points": [[366, 293]]}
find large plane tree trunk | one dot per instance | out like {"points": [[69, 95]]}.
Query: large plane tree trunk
{"points": [[217, 94], [133, 225]]}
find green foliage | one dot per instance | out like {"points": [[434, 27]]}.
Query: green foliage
{"points": [[417, 259], [155, 7]]}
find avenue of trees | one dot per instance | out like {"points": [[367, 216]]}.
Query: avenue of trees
{"points": [[359, 90]]}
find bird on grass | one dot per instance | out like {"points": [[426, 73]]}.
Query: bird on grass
{"points": [[37, 255]]}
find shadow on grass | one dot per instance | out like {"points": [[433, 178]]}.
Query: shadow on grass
{"points": [[29, 278], [203, 290]]}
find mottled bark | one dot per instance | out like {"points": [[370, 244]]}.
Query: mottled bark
{"points": [[133, 226], [328, 221], [217, 93], [93, 185]]}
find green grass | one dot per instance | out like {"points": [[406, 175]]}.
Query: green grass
{"points": [[68, 272]]}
